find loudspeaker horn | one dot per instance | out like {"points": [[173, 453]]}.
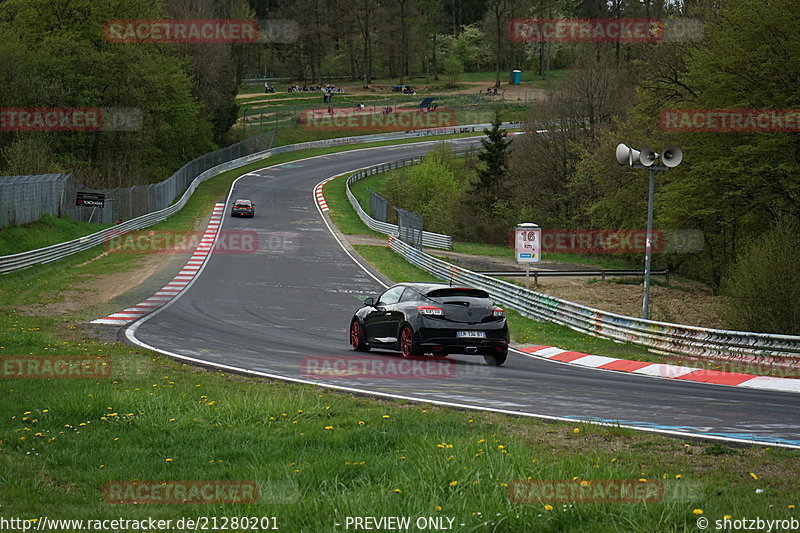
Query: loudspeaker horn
{"points": [[672, 156], [647, 157], [623, 154]]}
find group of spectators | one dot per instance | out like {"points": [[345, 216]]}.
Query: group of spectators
{"points": [[315, 89]]}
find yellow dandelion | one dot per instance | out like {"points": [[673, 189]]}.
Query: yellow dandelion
{"points": [[328, 427], [398, 491], [677, 476], [584, 483], [752, 475], [576, 430], [698, 511], [437, 508], [386, 416], [168, 459], [727, 517], [548, 507], [453, 483], [361, 422], [790, 506]]}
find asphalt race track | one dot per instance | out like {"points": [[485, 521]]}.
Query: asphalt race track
{"points": [[270, 310]]}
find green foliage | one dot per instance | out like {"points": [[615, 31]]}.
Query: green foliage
{"points": [[495, 163], [452, 67], [763, 286], [430, 188], [472, 48], [60, 59]]}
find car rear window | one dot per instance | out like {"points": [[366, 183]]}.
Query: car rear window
{"points": [[460, 292]]}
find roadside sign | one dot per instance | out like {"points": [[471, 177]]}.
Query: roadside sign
{"points": [[91, 199], [528, 243]]}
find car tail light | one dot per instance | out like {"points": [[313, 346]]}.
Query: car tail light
{"points": [[498, 313], [430, 310]]}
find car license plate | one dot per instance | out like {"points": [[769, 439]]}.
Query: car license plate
{"points": [[471, 334]]}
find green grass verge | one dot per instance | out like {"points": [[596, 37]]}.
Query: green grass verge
{"points": [[44, 232], [321, 456]]}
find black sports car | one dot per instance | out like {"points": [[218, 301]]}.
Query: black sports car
{"points": [[243, 208], [419, 318]]}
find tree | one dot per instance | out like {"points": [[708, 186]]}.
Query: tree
{"points": [[452, 67], [762, 288], [494, 158], [498, 12]]}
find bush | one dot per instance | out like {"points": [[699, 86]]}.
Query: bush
{"points": [[763, 286], [430, 188]]}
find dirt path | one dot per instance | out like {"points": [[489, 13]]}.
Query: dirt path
{"points": [[99, 289]]}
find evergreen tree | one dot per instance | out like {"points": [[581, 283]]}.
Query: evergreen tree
{"points": [[494, 170]]}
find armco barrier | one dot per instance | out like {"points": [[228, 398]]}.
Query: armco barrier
{"points": [[48, 254], [660, 337]]}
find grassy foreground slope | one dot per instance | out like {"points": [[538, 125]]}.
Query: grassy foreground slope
{"points": [[320, 456]]}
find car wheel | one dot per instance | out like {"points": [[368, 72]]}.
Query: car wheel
{"points": [[357, 337], [496, 360], [408, 345]]}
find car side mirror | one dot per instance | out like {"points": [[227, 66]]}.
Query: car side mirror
{"points": [[369, 302]]}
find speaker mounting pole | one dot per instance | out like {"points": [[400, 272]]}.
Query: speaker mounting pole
{"points": [[671, 157]]}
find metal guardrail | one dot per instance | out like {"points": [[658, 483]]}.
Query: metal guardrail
{"points": [[659, 337], [55, 252], [48, 254], [429, 239], [567, 273]]}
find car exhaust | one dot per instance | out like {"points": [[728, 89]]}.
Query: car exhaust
{"points": [[472, 349]]}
